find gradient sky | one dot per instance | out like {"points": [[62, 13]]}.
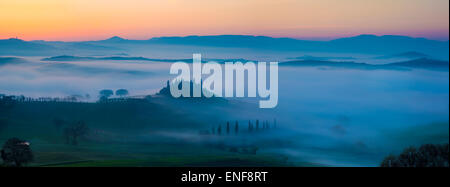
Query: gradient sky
{"points": [[71, 20]]}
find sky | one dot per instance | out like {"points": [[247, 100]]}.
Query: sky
{"points": [[77, 20]]}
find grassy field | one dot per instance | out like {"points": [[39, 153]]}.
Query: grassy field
{"points": [[146, 155], [116, 139]]}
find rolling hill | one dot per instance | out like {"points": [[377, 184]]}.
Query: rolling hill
{"points": [[366, 44]]}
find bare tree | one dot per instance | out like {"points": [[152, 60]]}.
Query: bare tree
{"points": [[74, 131]]}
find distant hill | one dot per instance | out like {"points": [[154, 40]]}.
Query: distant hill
{"points": [[365, 44], [10, 60], [323, 63], [64, 58], [371, 44], [114, 39], [80, 58], [19, 47], [238, 41], [422, 63], [321, 58], [409, 54]]}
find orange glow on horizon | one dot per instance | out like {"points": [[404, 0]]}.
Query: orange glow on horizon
{"points": [[71, 20]]}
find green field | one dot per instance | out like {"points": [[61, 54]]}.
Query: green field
{"points": [[125, 134]]}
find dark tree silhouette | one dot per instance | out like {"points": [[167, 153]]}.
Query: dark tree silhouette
{"points": [[427, 155], [74, 131], [228, 127], [257, 125], [121, 92], [105, 94], [250, 126], [389, 161], [16, 152], [219, 130], [6, 104], [236, 128]]}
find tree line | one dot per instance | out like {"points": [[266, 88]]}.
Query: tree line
{"points": [[428, 155], [104, 94], [72, 131], [229, 128]]}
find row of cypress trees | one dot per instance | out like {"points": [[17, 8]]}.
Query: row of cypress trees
{"points": [[229, 129]]}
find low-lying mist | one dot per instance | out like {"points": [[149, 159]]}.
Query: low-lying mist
{"points": [[324, 115]]}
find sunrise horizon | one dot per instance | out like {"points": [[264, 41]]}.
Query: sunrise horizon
{"points": [[306, 38], [83, 20], [225, 91]]}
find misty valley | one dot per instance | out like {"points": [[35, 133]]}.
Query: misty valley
{"points": [[108, 103]]}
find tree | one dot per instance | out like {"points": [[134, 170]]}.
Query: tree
{"points": [[427, 155], [228, 127], [390, 161], [16, 152], [6, 104], [121, 92], [219, 130], [74, 131], [105, 94], [236, 128], [408, 157]]}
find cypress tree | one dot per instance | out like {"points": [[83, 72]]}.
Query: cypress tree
{"points": [[257, 125]]}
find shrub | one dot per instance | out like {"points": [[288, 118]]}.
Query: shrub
{"points": [[427, 155]]}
